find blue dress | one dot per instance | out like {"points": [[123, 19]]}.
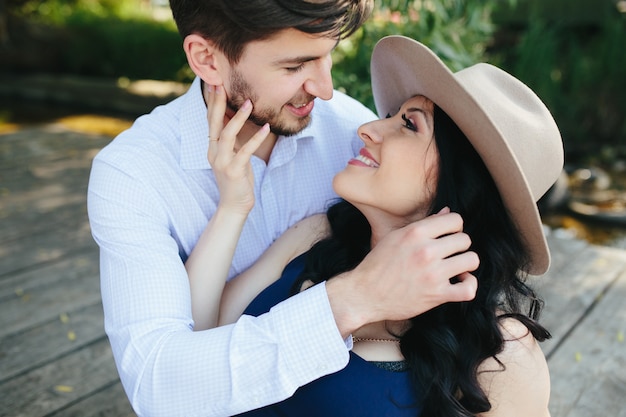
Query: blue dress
{"points": [[360, 389]]}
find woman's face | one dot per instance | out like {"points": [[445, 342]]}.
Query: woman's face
{"points": [[395, 174]]}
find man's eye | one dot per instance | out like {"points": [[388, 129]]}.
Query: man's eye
{"points": [[409, 124], [295, 69]]}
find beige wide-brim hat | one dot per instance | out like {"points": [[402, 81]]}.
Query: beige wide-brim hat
{"points": [[508, 125]]}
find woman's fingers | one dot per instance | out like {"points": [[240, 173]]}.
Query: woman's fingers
{"points": [[253, 143], [222, 139], [216, 103], [228, 136], [216, 106]]}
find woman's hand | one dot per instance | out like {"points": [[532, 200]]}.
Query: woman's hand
{"points": [[209, 261], [231, 166]]}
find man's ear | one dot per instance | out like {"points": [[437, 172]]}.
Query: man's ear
{"points": [[204, 58]]}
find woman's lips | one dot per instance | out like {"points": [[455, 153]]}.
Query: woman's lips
{"points": [[364, 159]]}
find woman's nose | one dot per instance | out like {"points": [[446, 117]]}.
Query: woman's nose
{"points": [[370, 132]]}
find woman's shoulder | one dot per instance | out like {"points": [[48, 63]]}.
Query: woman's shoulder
{"points": [[520, 348], [301, 236], [516, 380]]}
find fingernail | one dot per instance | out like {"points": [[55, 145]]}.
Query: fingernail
{"points": [[218, 89], [246, 104], [209, 88]]}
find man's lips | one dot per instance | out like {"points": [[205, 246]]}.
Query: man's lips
{"points": [[301, 110], [364, 159]]}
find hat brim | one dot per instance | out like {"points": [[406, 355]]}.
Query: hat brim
{"points": [[402, 68]]}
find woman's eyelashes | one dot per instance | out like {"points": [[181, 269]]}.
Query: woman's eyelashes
{"points": [[408, 123]]}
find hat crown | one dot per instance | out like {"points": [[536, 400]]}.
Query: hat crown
{"points": [[524, 122]]}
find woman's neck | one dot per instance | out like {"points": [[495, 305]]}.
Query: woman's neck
{"points": [[382, 222], [379, 341]]}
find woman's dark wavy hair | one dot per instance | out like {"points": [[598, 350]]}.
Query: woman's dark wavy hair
{"points": [[445, 346]]}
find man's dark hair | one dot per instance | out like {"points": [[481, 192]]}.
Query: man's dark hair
{"points": [[231, 24]]}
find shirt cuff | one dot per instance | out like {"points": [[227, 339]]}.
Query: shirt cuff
{"points": [[314, 347]]}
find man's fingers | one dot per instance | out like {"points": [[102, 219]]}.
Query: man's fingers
{"points": [[451, 244], [436, 225], [464, 289]]}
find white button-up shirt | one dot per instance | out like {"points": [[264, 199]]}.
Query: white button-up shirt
{"points": [[151, 194]]}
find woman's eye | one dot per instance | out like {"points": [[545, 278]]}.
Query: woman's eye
{"points": [[408, 123]]}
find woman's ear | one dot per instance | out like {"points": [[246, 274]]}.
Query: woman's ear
{"points": [[204, 59]]}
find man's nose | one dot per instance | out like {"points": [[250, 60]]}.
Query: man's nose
{"points": [[320, 84]]}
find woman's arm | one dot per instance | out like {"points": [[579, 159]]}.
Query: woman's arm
{"points": [[523, 388], [209, 262], [241, 290]]}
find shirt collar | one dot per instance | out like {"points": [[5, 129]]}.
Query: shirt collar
{"points": [[194, 129]]}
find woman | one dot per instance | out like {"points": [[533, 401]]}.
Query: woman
{"points": [[477, 142]]}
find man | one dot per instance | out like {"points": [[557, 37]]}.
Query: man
{"points": [[152, 193]]}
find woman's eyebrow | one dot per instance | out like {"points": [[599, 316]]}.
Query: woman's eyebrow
{"points": [[427, 115]]}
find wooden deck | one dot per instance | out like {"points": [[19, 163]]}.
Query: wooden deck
{"points": [[54, 356]]}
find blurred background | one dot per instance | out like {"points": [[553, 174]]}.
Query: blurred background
{"points": [[74, 73], [61, 58]]}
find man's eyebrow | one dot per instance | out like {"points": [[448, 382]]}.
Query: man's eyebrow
{"points": [[299, 59], [295, 60]]}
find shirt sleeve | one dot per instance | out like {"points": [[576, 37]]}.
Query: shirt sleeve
{"points": [[166, 368]]}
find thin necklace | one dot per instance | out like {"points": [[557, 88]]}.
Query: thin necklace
{"points": [[367, 339]]}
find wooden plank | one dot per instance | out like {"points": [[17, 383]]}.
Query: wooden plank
{"points": [[32, 298], [570, 290], [36, 158], [78, 264], [30, 251], [563, 248], [587, 371], [43, 184], [68, 212], [47, 142], [40, 345], [110, 402], [59, 384]]}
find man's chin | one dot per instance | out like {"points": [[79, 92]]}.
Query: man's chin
{"points": [[284, 129]]}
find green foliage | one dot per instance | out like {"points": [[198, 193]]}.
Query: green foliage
{"points": [[108, 38], [458, 31], [133, 48], [57, 11], [579, 71], [569, 51]]}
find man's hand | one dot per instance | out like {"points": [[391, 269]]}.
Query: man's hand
{"points": [[406, 274]]}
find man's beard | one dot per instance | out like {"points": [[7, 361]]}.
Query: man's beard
{"points": [[241, 90]]}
